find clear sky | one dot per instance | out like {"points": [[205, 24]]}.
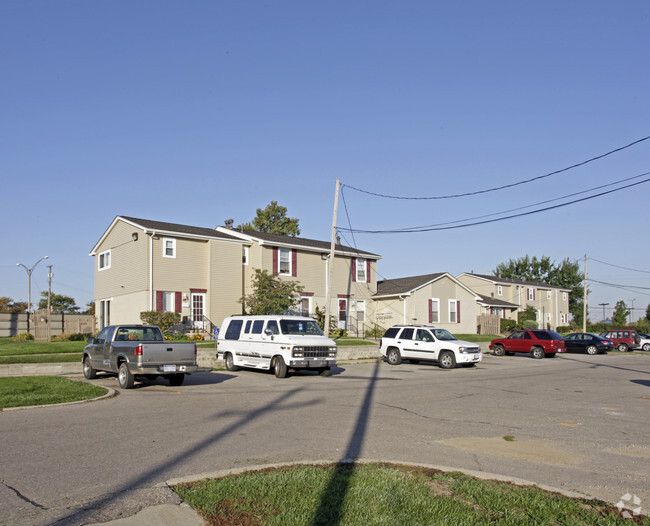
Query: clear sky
{"points": [[199, 111]]}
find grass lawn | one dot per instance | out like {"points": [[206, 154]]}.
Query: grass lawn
{"points": [[8, 347], [42, 358], [23, 391], [383, 494], [477, 338]]}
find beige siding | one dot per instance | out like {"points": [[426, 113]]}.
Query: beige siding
{"points": [[126, 308], [226, 286]]}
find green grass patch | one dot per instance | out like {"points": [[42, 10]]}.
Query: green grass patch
{"points": [[509, 438], [23, 391], [8, 347], [42, 358], [372, 494], [477, 338]]}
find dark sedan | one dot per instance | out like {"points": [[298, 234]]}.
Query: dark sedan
{"points": [[587, 343]]}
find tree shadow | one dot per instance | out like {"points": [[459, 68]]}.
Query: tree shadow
{"points": [[331, 504]]}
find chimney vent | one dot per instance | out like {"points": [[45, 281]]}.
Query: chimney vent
{"points": [[229, 223]]}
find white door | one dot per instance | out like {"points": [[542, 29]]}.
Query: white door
{"points": [[343, 313], [198, 309]]}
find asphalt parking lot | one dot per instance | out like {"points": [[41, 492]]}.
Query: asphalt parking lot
{"points": [[576, 422]]}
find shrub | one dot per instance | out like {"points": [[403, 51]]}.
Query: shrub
{"points": [[530, 324], [23, 337], [338, 333], [375, 332], [164, 320], [507, 325], [72, 337], [563, 329]]}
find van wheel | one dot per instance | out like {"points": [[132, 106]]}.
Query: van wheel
{"points": [[537, 352], [124, 376], [393, 356], [499, 350], [89, 370], [447, 360], [176, 379], [324, 371], [279, 367], [230, 363]]}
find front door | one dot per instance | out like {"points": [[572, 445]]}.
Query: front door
{"points": [[198, 309], [343, 313]]}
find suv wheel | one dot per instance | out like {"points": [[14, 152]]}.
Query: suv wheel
{"points": [[447, 360], [498, 350], [537, 352], [623, 347], [393, 356]]}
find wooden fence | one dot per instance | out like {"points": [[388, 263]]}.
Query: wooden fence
{"points": [[37, 324], [488, 324]]}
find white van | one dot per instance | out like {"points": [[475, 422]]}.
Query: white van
{"points": [[279, 343]]}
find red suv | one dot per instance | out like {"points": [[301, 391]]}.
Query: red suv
{"points": [[624, 340], [536, 342]]}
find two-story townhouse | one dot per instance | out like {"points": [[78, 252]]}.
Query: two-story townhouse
{"points": [[438, 299], [354, 280], [551, 303], [202, 273]]}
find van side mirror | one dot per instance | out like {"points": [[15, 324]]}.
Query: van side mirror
{"points": [[268, 332]]}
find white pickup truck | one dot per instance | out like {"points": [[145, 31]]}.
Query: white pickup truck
{"points": [[134, 351]]}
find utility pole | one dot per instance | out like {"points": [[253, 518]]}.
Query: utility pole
{"points": [[29, 288], [330, 262], [632, 312], [603, 305], [584, 301], [49, 304]]}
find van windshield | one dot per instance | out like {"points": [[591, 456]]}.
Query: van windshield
{"points": [[300, 327]]}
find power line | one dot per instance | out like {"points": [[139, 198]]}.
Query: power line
{"points": [[629, 288], [475, 223], [525, 181], [618, 266]]}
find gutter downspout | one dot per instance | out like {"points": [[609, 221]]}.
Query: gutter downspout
{"points": [[151, 234]]}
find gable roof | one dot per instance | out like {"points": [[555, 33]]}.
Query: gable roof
{"points": [[406, 286], [489, 301], [280, 240], [497, 280]]}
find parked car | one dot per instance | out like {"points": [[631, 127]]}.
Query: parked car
{"points": [[587, 342], [645, 341], [624, 340], [136, 351], [538, 343], [419, 343]]}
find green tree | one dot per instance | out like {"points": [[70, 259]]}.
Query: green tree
{"points": [[527, 318], [566, 275], [273, 220], [58, 303], [621, 312], [8, 305], [163, 319], [647, 313], [90, 308], [271, 295]]}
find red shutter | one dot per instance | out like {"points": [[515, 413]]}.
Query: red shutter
{"points": [[159, 300], [178, 302], [457, 311], [275, 260], [367, 271], [354, 270], [294, 263], [430, 311]]}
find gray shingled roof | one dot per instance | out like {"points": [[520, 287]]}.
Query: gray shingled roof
{"points": [[390, 287], [512, 281], [493, 302], [174, 227]]}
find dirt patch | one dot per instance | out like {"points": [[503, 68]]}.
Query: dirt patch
{"points": [[632, 451], [528, 450]]}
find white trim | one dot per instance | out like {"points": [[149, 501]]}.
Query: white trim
{"points": [[245, 256], [454, 310], [364, 267], [437, 301], [290, 268], [165, 240], [102, 256]]}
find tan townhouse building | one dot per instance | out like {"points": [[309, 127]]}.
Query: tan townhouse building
{"points": [[202, 273], [505, 297]]}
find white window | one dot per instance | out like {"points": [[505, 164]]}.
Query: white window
{"points": [[531, 294], [499, 290], [564, 296], [104, 260], [548, 317], [434, 310], [104, 313], [284, 261], [169, 247], [453, 310], [539, 316], [361, 271], [245, 256], [548, 294], [361, 311], [168, 302]]}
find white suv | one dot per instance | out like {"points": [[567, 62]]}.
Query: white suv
{"points": [[416, 343]]}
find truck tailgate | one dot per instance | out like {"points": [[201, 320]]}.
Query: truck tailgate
{"points": [[160, 353]]}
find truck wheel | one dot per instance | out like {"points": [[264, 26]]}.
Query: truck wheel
{"points": [[324, 371], [447, 360], [124, 376], [176, 379], [499, 350], [89, 371], [393, 356], [623, 347], [537, 352], [230, 363], [279, 367]]}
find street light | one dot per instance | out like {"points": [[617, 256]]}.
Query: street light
{"points": [[29, 280], [603, 305]]}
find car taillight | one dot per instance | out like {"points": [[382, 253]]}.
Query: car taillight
{"points": [[138, 350]]}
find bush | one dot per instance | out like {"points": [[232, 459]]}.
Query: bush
{"points": [[563, 329], [164, 320], [23, 337], [73, 337], [338, 333], [507, 325], [530, 324], [375, 332]]}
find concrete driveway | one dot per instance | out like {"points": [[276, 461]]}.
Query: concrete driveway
{"points": [[575, 422]]}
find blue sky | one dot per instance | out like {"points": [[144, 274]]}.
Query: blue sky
{"points": [[196, 112]]}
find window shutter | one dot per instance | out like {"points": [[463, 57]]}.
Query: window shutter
{"points": [[159, 300], [178, 302], [367, 271], [457, 311], [430, 311], [354, 270], [275, 260], [294, 263]]}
